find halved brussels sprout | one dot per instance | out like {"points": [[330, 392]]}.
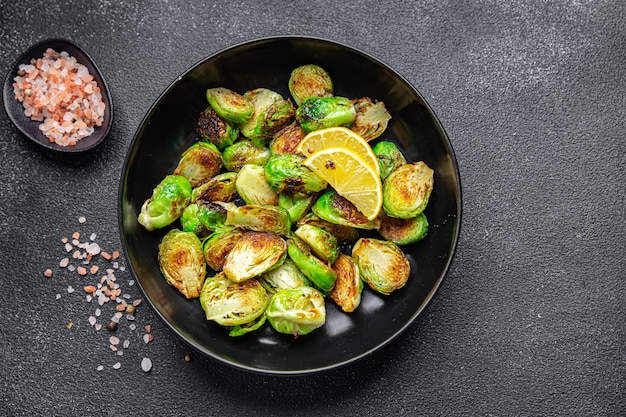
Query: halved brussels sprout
{"points": [[182, 262], [219, 188], [285, 276], [382, 264], [310, 81], [230, 105], [219, 244], [169, 199], [407, 189], [271, 114], [349, 285], [203, 217], [403, 231], [260, 218], [232, 304], [215, 129], [333, 208], [296, 205], [246, 328], [389, 157], [371, 118], [322, 243], [252, 186], [344, 234], [287, 140], [286, 174], [254, 254], [321, 112], [199, 163], [296, 311], [319, 273], [244, 152]]}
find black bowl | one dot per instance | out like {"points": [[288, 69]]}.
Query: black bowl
{"points": [[30, 128], [168, 129]]}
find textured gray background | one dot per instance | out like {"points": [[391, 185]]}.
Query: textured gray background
{"points": [[530, 320]]}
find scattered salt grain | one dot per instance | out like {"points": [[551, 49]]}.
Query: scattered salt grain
{"points": [[114, 340], [70, 289], [146, 364], [126, 344], [100, 368], [117, 365], [92, 320], [47, 273], [82, 219], [58, 296], [92, 237]]}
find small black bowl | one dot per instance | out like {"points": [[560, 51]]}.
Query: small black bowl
{"points": [[30, 128], [169, 128]]}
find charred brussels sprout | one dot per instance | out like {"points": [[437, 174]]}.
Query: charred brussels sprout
{"points": [[286, 174], [182, 262], [296, 205], [319, 273], [322, 243], [232, 304], [244, 152], [254, 254], [296, 311], [286, 276], [230, 105], [252, 186], [382, 265], [309, 81], [169, 199], [407, 189], [260, 218], [389, 157], [321, 112], [246, 328], [203, 217], [219, 188], [349, 285], [333, 208], [215, 129], [371, 118], [404, 231], [344, 234], [271, 114], [287, 140], [218, 245], [199, 163]]}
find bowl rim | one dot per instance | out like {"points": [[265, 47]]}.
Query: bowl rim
{"points": [[428, 298], [103, 131]]}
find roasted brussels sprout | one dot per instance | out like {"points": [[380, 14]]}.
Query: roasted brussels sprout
{"points": [[232, 304], [219, 188], [309, 81], [271, 114], [286, 174], [260, 218], [182, 262], [407, 189], [244, 152], [349, 286], [169, 199], [230, 105], [296, 311], [333, 208], [246, 328], [403, 231], [371, 118], [203, 217], [254, 254], [296, 205], [287, 140], [322, 243], [389, 157], [199, 163], [321, 112], [218, 245], [319, 273], [343, 234], [382, 264], [283, 277], [252, 186], [215, 129]]}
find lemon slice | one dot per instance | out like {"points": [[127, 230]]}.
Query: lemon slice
{"points": [[339, 137], [351, 177]]}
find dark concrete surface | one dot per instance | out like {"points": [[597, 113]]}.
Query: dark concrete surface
{"points": [[530, 320]]}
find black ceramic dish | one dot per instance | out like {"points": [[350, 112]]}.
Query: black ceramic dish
{"points": [[30, 128], [168, 129]]}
